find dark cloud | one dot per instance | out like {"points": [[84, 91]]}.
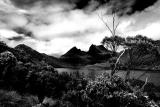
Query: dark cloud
{"points": [[81, 4], [127, 7], [140, 5], [17, 38], [24, 31], [29, 3], [25, 3], [122, 7]]}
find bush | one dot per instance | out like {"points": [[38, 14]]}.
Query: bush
{"points": [[106, 91], [13, 99]]}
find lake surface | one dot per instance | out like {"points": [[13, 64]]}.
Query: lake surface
{"points": [[153, 77]]}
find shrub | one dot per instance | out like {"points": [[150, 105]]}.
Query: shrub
{"points": [[106, 91], [13, 99]]}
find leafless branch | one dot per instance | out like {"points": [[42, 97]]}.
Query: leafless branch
{"points": [[146, 81], [113, 24], [106, 24], [116, 26], [113, 72]]}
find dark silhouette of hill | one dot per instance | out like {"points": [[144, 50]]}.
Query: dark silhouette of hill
{"points": [[26, 54], [95, 54], [36, 56], [99, 53], [141, 56], [100, 49], [76, 57], [33, 54], [75, 51], [4, 47]]}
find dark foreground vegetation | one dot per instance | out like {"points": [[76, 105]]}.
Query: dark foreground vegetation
{"points": [[27, 83]]}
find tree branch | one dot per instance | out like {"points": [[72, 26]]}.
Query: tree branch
{"points": [[116, 26], [113, 24], [113, 72], [146, 81], [106, 24]]}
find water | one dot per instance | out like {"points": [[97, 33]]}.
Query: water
{"points": [[153, 77]]}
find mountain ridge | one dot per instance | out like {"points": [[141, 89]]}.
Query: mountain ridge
{"points": [[73, 57], [143, 58], [95, 54]]}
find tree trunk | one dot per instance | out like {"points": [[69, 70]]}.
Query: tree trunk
{"points": [[127, 77]]}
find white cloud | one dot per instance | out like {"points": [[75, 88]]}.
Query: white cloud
{"points": [[151, 31], [73, 21], [7, 33], [57, 28]]}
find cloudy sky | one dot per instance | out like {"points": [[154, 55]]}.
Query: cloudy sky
{"points": [[55, 26]]}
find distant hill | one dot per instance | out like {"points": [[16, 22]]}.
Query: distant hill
{"points": [[26, 54], [100, 49], [36, 56], [76, 57], [99, 53], [142, 57], [29, 52], [95, 54]]}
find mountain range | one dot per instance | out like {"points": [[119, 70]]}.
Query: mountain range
{"points": [[142, 58], [95, 54], [73, 58]]}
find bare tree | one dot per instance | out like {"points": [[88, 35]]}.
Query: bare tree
{"points": [[115, 26], [114, 41]]}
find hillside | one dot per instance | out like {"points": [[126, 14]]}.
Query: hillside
{"points": [[142, 57], [26, 54], [74, 57], [36, 56], [95, 54], [99, 53]]}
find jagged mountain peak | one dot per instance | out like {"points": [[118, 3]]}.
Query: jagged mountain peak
{"points": [[99, 49], [74, 51], [94, 55]]}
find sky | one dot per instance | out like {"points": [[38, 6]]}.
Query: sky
{"points": [[55, 26]]}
